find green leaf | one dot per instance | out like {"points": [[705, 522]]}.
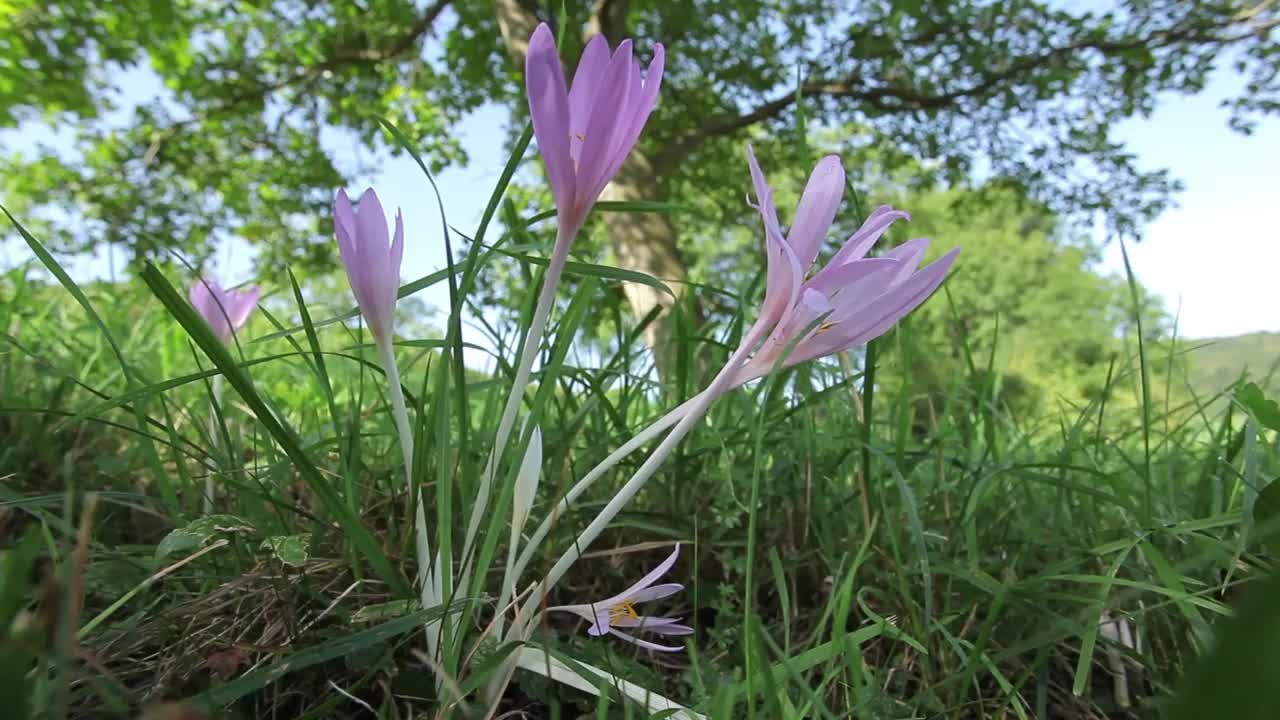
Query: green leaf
{"points": [[15, 663], [291, 550], [605, 272], [1266, 410], [353, 527], [1266, 515], [198, 533], [1236, 679], [384, 611], [15, 575]]}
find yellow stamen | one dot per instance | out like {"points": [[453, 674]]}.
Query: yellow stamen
{"points": [[825, 326], [622, 610]]}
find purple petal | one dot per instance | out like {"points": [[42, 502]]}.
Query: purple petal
{"points": [[549, 108], [868, 234], [799, 315], [645, 643], [783, 268], [371, 223], [607, 118], [372, 266], [764, 195], [585, 89], [658, 625], [599, 624], [344, 217], [649, 579], [882, 314], [910, 253], [241, 305], [201, 297], [656, 592], [209, 299], [642, 102], [910, 295], [585, 611], [397, 253], [345, 227], [833, 280], [672, 629], [855, 296], [817, 209]]}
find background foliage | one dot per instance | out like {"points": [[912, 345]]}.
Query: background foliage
{"points": [[937, 526]]}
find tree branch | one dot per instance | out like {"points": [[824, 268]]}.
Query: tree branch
{"points": [[890, 99], [609, 19], [403, 44], [516, 21]]}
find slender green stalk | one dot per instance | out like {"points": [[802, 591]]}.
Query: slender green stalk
{"points": [[215, 395], [1146, 384], [532, 343]]}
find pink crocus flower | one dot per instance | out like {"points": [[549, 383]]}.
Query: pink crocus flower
{"points": [[373, 264], [606, 616], [586, 131], [849, 301], [226, 311]]}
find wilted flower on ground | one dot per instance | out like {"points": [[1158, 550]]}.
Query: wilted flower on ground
{"points": [[851, 300], [619, 611], [226, 311], [372, 263], [585, 131]]}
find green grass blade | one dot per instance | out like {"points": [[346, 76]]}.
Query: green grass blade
{"points": [[217, 352]]}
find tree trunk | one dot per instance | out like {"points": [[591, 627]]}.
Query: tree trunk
{"points": [[646, 242]]}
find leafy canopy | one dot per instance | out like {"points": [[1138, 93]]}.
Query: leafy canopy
{"points": [[254, 99]]}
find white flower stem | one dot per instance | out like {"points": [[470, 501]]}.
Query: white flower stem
{"points": [[387, 354], [515, 568], [532, 343], [400, 412], [620, 500], [523, 622], [215, 394], [642, 437]]}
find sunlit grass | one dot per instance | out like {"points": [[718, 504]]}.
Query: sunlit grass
{"points": [[994, 547]]}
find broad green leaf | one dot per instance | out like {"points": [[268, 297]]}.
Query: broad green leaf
{"points": [[291, 550], [1266, 410], [198, 533], [1236, 679]]}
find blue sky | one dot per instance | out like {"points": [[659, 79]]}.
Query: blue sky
{"points": [[1211, 258], [1214, 258]]}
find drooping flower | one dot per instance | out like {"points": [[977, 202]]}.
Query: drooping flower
{"points": [[226, 311], [619, 611], [852, 299], [585, 131], [373, 264]]}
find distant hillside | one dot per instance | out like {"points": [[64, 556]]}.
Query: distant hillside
{"points": [[1218, 362]]}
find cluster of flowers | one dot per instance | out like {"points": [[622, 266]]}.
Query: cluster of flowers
{"points": [[585, 130]]}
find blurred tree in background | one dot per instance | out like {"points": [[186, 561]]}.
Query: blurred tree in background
{"points": [[1013, 94]]}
